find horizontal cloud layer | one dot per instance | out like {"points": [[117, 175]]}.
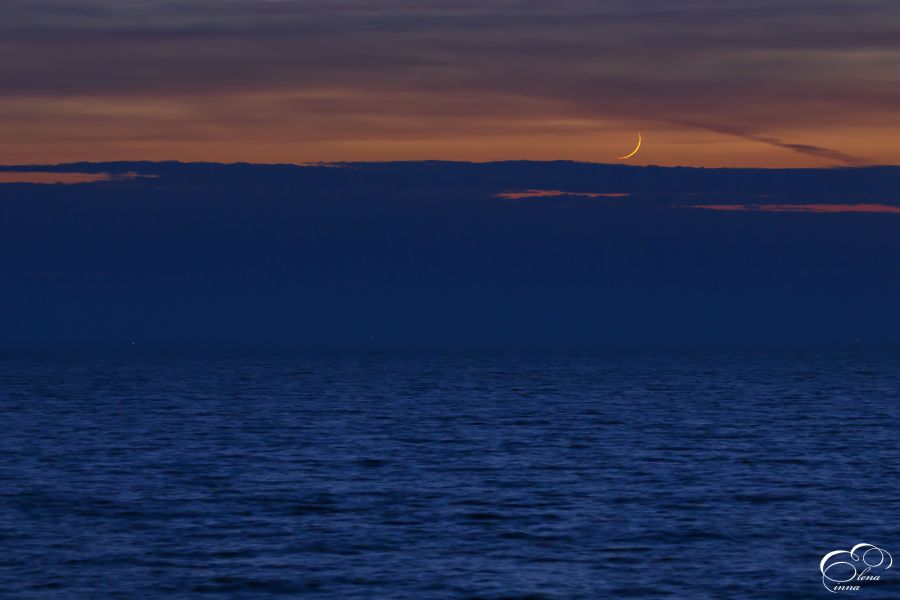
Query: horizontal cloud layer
{"points": [[771, 82]]}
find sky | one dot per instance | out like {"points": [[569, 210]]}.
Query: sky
{"points": [[764, 83]]}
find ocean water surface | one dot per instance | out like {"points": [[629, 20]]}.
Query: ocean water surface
{"points": [[657, 475]]}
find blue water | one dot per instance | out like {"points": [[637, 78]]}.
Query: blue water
{"points": [[696, 475]]}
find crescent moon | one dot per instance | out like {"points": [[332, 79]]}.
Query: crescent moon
{"points": [[633, 152]]}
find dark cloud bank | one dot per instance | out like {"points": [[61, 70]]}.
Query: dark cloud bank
{"points": [[427, 254]]}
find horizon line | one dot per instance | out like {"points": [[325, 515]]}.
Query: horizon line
{"points": [[326, 164]]}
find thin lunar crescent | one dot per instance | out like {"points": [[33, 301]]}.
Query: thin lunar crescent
{"points": [[633, 152]]}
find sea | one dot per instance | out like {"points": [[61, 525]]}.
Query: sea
{"points": [[701, 474]]}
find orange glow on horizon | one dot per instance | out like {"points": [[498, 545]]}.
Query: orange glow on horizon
{"points": [[51, 178], [216, 129]]}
